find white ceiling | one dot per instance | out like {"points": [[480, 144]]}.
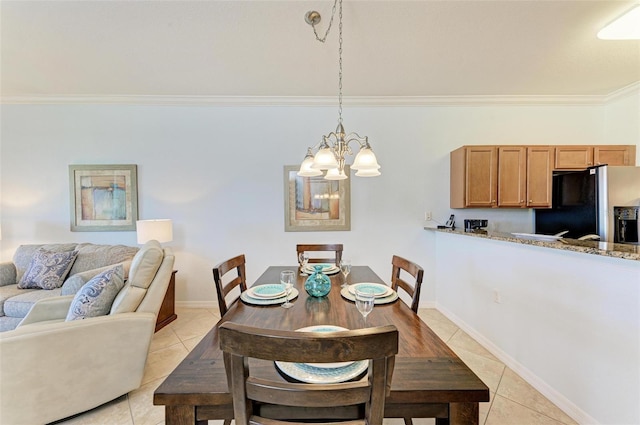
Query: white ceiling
{"points": [[264, 48]]}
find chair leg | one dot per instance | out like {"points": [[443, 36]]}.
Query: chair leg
{"points": [[227, 422], [408, 421]]}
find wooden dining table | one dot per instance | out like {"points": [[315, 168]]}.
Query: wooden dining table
{"points": [[429, 380]]}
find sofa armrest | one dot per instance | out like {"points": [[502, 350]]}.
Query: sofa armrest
{"points": [[48, 309], [8, 273], [60, 365]]}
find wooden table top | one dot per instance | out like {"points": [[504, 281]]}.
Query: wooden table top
{"points": [[426, 370]]}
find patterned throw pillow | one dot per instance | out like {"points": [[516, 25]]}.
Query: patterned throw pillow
{"points": [[47, 269], [96, 296]]}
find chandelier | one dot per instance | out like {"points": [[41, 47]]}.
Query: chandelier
{"points": [[333, 148]]}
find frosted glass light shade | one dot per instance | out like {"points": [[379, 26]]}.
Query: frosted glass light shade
{"points": [[335, 174], [626, 27], [306, 170], [365, 160], [368, 173], [325, 159], [159, 230]]}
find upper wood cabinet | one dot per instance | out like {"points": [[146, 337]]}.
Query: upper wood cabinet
{"points": [[525, 176], [581, 157], [474, 173]]}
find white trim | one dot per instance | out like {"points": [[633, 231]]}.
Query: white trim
{"points": [[633, 88], [363, 101], [536, 382], [197, 304]]}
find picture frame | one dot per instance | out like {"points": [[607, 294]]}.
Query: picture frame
{"points": [[104, 198], [313, 204]]}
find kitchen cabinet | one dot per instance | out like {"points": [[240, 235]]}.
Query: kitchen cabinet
{"points": [[581, 157], [501, 176], [525, 176], [474, 173], [539, 176]]}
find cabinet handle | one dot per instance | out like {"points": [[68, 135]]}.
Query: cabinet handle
{"points": [[530, 201], [521, 201]]}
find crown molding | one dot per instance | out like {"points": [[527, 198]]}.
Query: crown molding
{"points": [[362, 101]]}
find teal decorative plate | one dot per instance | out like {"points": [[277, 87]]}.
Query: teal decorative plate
{"points": [[267, 301], [267, 291], [379, 290], [326, 268], [382, 300], [314, 375]]}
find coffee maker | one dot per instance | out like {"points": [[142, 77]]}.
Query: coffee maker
{"points": [[625, 225]]}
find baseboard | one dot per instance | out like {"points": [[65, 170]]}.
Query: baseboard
{"points": [[197, 304], [536, 382]]}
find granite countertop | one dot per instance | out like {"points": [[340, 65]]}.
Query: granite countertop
{"points": [[617, 250]]}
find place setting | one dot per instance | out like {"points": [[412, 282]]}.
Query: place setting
{"points": [[322, 373], [381, 293], [273, 293]]}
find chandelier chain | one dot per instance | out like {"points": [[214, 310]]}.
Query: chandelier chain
{"points": [[340, 64], [313, 25]]}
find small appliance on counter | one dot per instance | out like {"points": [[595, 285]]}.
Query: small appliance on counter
{"points": [[475, 225]]}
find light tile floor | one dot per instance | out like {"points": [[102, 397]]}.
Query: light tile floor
{"points": [[513, 400]]}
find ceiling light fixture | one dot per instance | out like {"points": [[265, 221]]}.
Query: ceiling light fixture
{"points": [[331, 150], [626, 27]]}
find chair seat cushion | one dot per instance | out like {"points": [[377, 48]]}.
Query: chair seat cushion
{"points": [[47, 269], [96, 296]]}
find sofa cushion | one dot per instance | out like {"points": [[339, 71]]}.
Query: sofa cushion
{"points": [[145, 264], [20, 304], [92, 256], [24, 254], [97, 295], [47, 269], [77, 281], [8, 292]]}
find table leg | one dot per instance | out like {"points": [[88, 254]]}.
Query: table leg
{"points": [[464, 413], [180, 415]]}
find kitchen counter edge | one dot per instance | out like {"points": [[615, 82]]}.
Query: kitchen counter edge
{"points": [[616, 250]]}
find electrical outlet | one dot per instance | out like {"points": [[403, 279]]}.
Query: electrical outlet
{"points": [[427, 216], [496, 296]]}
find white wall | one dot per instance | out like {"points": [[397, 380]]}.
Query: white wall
{"points": [[568, 322], [217, 172]]}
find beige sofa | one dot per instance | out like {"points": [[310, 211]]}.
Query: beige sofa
{"points": [[91, 259], [51, 368]]}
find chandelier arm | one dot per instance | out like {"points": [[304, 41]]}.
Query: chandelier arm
{"points": [[362, 141]]}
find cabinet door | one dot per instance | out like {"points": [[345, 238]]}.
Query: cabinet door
{"points": [[481, 175], [539, 176], [571, 157], [614, 155], [512, 168]]}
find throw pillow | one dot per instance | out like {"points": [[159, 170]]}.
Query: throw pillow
{"points": [[96, 296], [47, 269]]}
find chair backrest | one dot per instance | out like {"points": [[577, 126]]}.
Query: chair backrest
{"points": [[238, 280], [413, 289], [378, 345], [336, 248]]}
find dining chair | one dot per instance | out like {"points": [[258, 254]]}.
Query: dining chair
{"points": [[336, 248], [400, 267], [239, 343], [239, 280]]}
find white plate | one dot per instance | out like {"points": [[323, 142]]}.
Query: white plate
{"points": [[315, 375], [325, 328], [265, 301], [326, 268], [379, 290], [537, 237], [267, 291], [384, 300]]}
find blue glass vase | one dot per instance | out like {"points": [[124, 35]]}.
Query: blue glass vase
{"points": [[318, 284]]}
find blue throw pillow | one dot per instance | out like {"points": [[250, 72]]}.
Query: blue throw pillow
{"points": [[47, 269], [96, 296]]}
